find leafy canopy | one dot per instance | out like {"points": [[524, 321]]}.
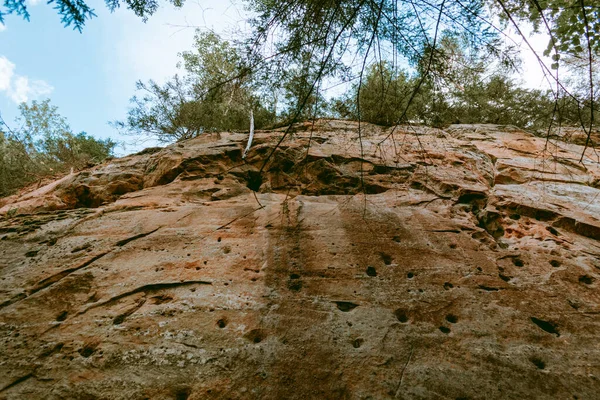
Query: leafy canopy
{"points": [[44, 145], [215, 93], [77, 12]]}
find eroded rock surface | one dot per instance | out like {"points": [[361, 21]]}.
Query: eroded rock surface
{"points": [[419, 264]]}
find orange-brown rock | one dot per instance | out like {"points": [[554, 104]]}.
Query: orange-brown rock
{"points": [[413, 263]]}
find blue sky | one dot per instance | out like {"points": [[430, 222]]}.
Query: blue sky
{"points": [[91, 76]]}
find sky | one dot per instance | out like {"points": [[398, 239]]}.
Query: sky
{"points": [[91, 75]]}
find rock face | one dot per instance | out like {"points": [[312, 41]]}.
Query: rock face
{"points": [[414, 263]]}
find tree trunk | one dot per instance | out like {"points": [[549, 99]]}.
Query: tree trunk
{"points": [[251, 135]]}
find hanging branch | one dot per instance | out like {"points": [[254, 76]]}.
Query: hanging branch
{"points": [[591, 74]]}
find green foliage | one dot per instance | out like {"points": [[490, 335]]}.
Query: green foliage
{"points": [[301, 101], [216, 93], [382, 97], [571, 23], [317, 40], [44, 145], [446, 45], [77, 12], [463, 95]]}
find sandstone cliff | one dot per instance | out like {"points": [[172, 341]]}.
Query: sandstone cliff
{"points": [[458, 263]]}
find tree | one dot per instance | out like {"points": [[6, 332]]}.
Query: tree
{"points": [[421, 34], [77, 12], [383, 96], [342, 36], [44, 145], [215, 93], [459, 89], [301, 100]]}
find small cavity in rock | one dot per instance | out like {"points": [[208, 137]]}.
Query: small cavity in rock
{"points": [[546, 326], [387, 259], [346, 306], [555, 263], [401, 315], [539, 363], [452, 318], [256, 335], [62, 316], [518, 262]]}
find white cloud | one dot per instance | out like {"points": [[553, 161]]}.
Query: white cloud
{"points": [[20, 88], [150, 50], [7, 70], [2, 27], [23, 89], [33, 2]]}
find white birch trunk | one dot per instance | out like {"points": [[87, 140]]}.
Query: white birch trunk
{"points": [[251, 135]]}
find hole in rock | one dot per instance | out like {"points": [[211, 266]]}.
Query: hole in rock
{"points": [[546, 326], [62, 316], [256, 335], [294, 285], [539, 363], [387, 259], [410, 275], [444, 329], [488, 288], [371, 271], [183, 394], [555, 263], [452, 318], [345, 306], [357, 343], [588, 280], [88, 349], [448, 285], [222, 323], [401, 315], [254, 180], [518, 262]]}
